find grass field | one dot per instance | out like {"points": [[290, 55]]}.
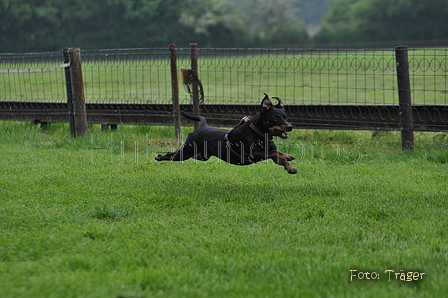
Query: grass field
{"points": [[311, 77], [97, 217]]}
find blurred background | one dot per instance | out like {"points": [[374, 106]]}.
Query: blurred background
{"points": [[49, 25]]}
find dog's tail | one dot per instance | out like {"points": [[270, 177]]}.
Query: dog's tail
{"points": [[194, 118]]}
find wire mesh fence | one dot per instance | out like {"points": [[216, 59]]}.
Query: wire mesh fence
{"points": [[428, 72], [336, 77], [32, 77], [298, 76], [127, 76]]}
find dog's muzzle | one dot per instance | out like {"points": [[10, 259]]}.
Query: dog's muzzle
{"points": [[281, 132]]}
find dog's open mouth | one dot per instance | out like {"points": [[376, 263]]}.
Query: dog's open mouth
{"points": [[280, 134]]}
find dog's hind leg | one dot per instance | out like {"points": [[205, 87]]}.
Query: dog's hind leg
{"points": [[186, 151]]}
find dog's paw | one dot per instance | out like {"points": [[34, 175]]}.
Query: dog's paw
{"points": [[292, 170], [167, 156], [289, 157]]}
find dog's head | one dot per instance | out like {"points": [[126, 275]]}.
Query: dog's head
{"points": [[274, 117]]}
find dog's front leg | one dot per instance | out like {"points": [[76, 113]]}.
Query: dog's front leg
{"points": [[283, 159]]}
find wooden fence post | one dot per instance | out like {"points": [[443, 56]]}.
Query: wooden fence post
{"points": [[195, 87], [75, 92], [175, 93], [68, 85], [404, 98]]}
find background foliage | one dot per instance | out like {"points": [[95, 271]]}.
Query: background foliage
{"points": [[30, 25], [47, 25], [384, 22]]}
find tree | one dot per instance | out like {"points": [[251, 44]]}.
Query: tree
{"points": [[275, 23], [43, 25], [47, 25], [379, 21], [26, 22], [217, 23]]}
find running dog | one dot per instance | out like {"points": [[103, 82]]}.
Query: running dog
{"points": [[248, 142]]}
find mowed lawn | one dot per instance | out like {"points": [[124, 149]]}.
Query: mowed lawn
{"points": [[97, 217]]}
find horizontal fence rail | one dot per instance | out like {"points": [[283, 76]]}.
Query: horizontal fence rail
{"points": [[349, 117], [323, 89]]}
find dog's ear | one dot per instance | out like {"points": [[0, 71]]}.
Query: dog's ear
{"points": [[266, 104], [279, 105]]}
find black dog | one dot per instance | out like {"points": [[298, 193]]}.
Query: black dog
{"points": [[249, 142]]}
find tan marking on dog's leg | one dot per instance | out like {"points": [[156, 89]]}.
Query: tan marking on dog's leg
{"points": [[282, 159]]}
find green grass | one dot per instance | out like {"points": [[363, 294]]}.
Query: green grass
{"points": [[314, 77], [97, 217]]}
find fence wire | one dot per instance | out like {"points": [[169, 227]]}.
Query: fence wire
{"points": [[339, 77], [299, 76], [428, 71], [127, 76], [239, 76], [30, 77]]}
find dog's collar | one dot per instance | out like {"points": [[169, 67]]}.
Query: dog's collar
{"points": [[247, 119], [257, 130]]}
